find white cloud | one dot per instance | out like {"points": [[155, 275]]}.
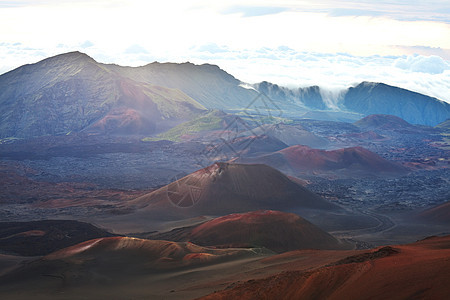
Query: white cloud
{"points": [[86, 44], [211, 48], [253, 11], [429, 75], [418, 63], [136, 49], [288, 42], [247, 86]]}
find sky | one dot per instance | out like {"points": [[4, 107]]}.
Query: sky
{"points": [[333, 44]]}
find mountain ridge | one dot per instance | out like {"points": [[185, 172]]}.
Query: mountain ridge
{"points": [[71, 92], [381, 98]]}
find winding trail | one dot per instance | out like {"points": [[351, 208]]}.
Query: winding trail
{"points": [[384, 224]]}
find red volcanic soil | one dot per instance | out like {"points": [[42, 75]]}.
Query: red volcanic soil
{"points": [[274, 230], [439, 214], [114, 268], [355, 158], [416, 271], [138, 114], [145, 109], [132, 255], [123, 121], [120, 267], [227, 188]]}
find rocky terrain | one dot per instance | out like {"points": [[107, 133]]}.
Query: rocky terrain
{"points": [[174, 181], [389, 272], [38, 238]]}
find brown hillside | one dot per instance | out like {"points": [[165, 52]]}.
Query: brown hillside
{"points": [[224, 188], [416, 271], [274, 230]]}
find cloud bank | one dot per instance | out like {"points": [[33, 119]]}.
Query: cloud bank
{"points": [[429, 75], [329, 43]]}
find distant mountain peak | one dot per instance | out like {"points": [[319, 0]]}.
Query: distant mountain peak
{"points": [[71, 92], [74, 53], [371, 83], [74, 82], [370, 98], [383, 121], [70, 56]]}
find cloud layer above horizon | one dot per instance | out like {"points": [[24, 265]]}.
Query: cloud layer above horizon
{"points": [[333, 44]]}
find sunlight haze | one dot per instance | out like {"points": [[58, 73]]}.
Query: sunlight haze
{"points": [[292, 43]]}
